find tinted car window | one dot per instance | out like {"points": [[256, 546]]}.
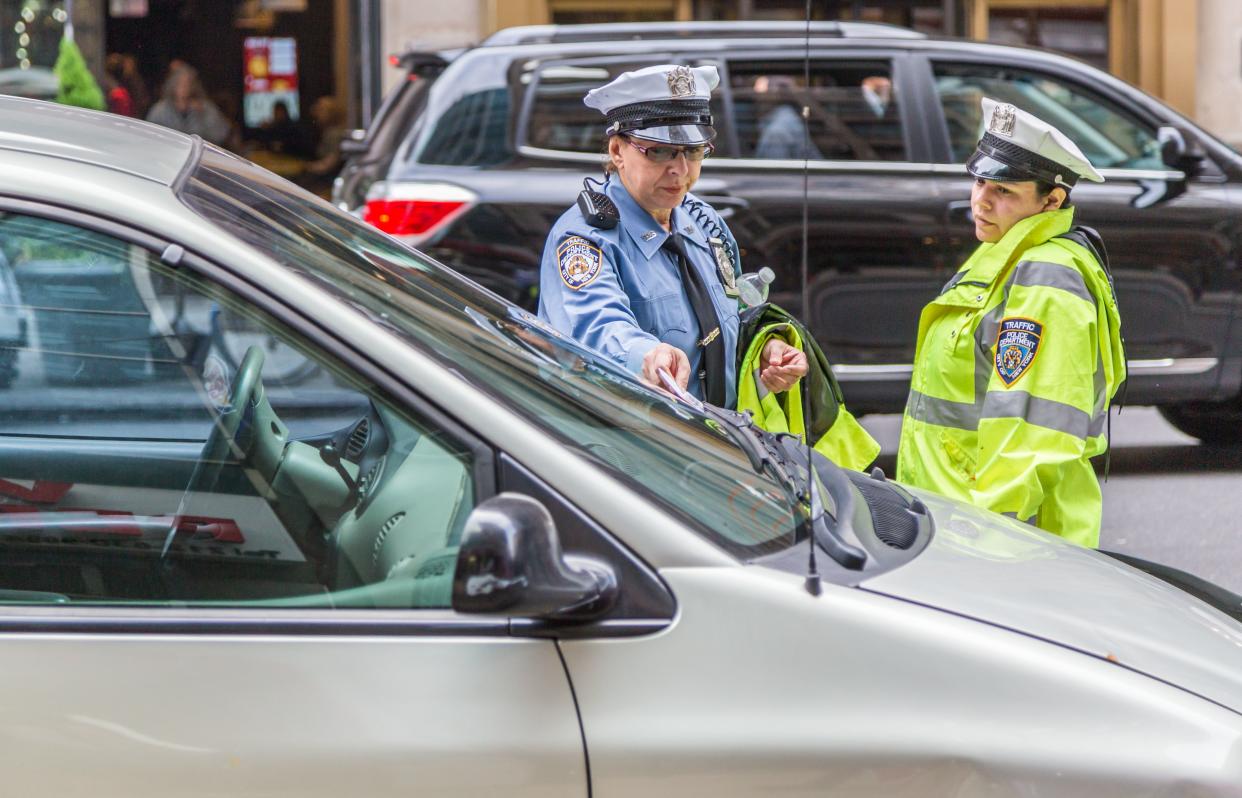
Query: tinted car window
{"points": [[1108, 136], [466, 121], [854, 114], [135, 470], [471, 132]]}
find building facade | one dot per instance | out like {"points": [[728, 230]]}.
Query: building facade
{"points": [[1187, 52]]}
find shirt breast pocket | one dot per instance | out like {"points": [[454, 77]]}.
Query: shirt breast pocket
{"points": [[662, 314]]}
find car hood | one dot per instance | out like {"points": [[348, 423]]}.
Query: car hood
{"points": [[987, 567]]}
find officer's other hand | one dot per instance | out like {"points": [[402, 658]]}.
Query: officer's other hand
{"points": [[783, 365], [669, 358]]}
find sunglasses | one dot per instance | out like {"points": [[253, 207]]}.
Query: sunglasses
{"points": [[663, 154]]}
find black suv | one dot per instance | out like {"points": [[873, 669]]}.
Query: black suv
{"points": [[501, 142]]}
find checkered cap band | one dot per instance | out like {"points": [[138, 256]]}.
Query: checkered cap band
{"points": [[1038, 166], [658, 113]]}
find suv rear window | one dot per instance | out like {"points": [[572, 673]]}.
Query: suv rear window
{"points": [[466, 122]]}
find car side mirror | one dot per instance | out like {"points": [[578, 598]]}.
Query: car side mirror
{"points": [[510, 562], [1176, 151]]}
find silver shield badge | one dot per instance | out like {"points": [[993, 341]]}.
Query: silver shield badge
{"points": [[1003, 118], [724, 265], [680, 81]]}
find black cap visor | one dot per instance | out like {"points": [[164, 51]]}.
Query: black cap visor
{"points": [[989, 168], [1002, 160], [688, 135]]}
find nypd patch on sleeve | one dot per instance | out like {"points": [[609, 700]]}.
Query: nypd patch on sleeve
{"points": [[1017, 343], [579, 261]]}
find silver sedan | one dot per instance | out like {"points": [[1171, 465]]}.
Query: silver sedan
{"points": [[287, 508]]}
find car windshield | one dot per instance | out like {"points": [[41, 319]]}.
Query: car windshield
{"points": [[670, 452]]}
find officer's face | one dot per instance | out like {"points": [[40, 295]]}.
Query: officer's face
{"points": [[999, 206], [657, 187]]}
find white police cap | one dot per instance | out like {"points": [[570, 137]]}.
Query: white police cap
{"points": [[1018, 146], [666, 103]]}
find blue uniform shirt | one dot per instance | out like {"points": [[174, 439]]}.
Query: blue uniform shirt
{"points": [[617, 292]]}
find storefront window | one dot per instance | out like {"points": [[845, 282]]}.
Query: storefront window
{"points": [[1080, 32], [928, 16]]}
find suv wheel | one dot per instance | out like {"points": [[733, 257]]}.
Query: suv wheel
{"points": [[1211, 422]]}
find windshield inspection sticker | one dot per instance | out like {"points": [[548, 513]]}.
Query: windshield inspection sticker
{"points": [[579, 261], [1017, 343]]}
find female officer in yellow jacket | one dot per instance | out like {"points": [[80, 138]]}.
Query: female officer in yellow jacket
{"points": [[1020, 355]]}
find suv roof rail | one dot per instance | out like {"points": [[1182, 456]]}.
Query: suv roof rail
{"points": [[613, 31], [415, 59]]}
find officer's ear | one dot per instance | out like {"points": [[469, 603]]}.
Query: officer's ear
{"points": [[1055, 199], [614, 152]]}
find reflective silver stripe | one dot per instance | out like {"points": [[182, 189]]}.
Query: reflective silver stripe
{"points": [[942, 412], [985, 338], [1042, 413], [761, 390], [1096, 427], [1052, 275], [1100, 383], [1005, 404]]}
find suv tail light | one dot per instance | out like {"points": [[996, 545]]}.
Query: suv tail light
{"points": [[414, 212]]}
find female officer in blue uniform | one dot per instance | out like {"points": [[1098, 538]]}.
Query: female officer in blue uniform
{"points": [[651, 285]]}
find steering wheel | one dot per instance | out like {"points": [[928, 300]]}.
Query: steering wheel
{"points": [[245, 390]]}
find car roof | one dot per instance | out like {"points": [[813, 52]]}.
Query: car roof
{"points": [[713, 37], [621, 31], [109, 141]]}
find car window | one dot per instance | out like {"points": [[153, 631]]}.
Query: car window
{"points": [[854, 114], [466, 120], [678, 459], [1109, 137], [165, 443], [560, 120]]}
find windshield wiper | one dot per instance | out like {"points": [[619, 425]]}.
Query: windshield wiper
{"points": [[784, 457]]}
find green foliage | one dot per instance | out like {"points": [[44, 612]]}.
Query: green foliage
{"points": [[77, 85]]}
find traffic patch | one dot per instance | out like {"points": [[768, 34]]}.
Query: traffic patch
{"points": [[1017, 343]]}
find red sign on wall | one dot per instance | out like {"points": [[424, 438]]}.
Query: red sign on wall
{"points": [[271, 76]]}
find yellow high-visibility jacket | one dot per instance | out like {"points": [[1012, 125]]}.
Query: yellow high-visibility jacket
{"points": [[1017, 361], [845, 443]]}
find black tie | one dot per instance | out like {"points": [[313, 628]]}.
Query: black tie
{"points": [[712, 366]]}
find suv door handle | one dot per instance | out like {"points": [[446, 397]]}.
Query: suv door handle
{"points": [[959, 211]]}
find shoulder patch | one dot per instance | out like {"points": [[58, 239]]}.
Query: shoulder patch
{"points": [[1017, 343], [579, 261]]}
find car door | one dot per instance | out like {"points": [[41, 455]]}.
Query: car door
{"points": [[873, 208], [214, 585], [1172, 237]]}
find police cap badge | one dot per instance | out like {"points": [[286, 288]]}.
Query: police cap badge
{"points": [[1004, 117], [680, 81]]}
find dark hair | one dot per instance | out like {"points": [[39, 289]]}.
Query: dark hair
{"points": [[1044, 187]]}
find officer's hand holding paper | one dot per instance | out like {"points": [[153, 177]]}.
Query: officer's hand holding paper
{"points": [[670, 360]]}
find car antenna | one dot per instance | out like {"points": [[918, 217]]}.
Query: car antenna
{"points": [[813, 585]]}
